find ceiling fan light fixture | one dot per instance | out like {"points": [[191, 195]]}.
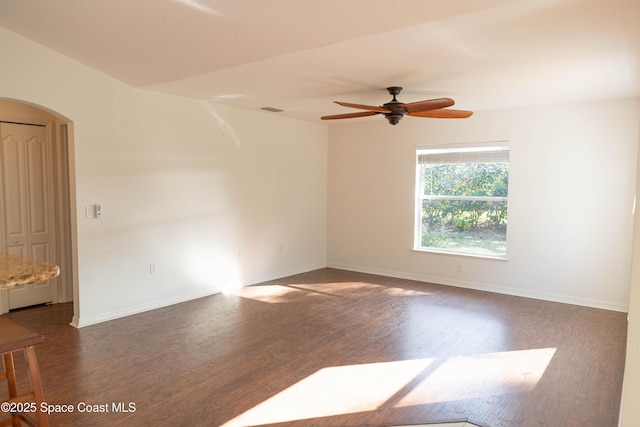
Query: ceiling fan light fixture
{"points": [[394, 118]]}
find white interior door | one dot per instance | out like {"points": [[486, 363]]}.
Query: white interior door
{"points": [[26, 202]]}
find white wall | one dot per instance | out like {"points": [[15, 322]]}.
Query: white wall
{"points": [[572, 184], [184, 185]]}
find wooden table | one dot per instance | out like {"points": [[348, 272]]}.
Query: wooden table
{"points": [[18, 271]]}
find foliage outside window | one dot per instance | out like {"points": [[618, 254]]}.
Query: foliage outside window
{"points": [[462, 199]]}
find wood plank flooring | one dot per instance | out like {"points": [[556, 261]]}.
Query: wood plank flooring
{"points": [[336, 348]]}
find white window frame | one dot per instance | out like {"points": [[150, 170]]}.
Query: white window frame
{"points": [[453, 153]]}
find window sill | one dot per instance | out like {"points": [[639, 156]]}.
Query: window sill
{"points": [[463, 254]]}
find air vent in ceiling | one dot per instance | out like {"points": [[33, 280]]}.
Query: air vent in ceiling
{"points": [[272, 109]]}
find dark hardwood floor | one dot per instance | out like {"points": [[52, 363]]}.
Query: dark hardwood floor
{"points": [[337, 348]]}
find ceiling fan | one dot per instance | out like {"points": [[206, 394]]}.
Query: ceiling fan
{"points": [[395, 110]]}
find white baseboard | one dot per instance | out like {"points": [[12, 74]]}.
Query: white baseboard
{"points": [[137, 309], [131, 310], [153, 305], [566, 299]]}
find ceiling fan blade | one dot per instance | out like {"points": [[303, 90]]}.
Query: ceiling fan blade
{"points": [[444, 113], [364, 107], [350, 115], [428, 105]]}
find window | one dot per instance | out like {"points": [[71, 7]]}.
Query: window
{"points": [[462, 199]]}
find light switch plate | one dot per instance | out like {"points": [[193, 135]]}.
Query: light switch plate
{"points": [[93, 211]]}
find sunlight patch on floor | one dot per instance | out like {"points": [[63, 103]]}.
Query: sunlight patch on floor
{"points": [[353, 389], [274, 294], [278, 294], [492, 374], [335, 391]]}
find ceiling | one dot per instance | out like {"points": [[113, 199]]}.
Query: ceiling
{"points": [[300, 55]]}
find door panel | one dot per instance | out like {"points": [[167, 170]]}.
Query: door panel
{"points": [[25, 203], [38, 189], [15, 211], [37, 182]]}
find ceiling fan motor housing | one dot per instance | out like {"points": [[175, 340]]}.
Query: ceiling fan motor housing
{"points": [[396, 108]]}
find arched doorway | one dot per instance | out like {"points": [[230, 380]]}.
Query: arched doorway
{"points": [[55, 200]]}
